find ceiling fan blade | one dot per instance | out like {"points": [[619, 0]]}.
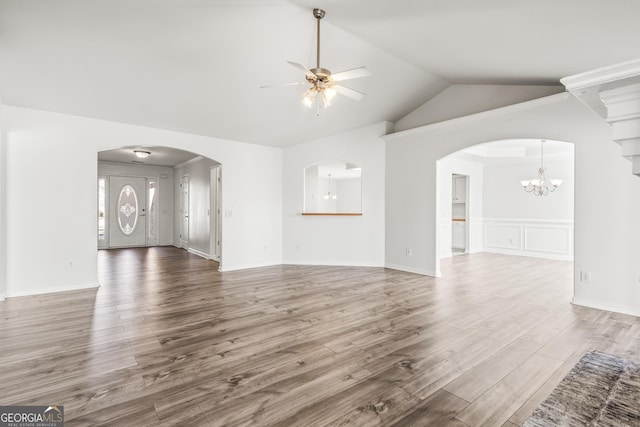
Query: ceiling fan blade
{"points": [[301, 68], [349, 93], [355, 73], [284, 84]]}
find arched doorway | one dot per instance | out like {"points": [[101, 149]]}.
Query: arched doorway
{"points": [[483, 207], [158, 196]]}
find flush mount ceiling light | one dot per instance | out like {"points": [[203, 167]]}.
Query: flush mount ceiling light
{"points": [[324, 87], [141, 154], [540, 186]]}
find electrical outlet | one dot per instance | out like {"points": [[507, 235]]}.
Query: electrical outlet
{"points": [[409, 252], [298, 247], [585, 276], [70, 263]]}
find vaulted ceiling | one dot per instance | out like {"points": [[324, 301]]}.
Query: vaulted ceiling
{"points": [[197, 65]]}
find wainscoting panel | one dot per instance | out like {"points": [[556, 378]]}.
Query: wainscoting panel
{"points": [[503, 236], [548, 239], [536, 238]]}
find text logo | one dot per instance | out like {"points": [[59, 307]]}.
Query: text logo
{"points": [[32, 416]]}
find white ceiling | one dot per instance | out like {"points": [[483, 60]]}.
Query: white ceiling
{"points": [[196, 65], [495, 41], [514, 150], [160, 156]]}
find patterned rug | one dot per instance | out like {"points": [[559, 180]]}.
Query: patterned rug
{"points": [[601, 390]]}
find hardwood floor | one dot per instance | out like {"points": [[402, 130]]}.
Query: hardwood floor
{"points": [[168, 340]]}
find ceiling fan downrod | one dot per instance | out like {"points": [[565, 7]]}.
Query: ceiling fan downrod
{"points": [[321, 74], [319, 14]]}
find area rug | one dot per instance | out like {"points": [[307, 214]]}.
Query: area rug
{"points": [[601, 390]]}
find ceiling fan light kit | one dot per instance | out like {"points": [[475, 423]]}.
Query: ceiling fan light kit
{"points": [[324, 87]]}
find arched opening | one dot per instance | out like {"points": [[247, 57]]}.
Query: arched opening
{"points": [[482, 205], [332, 188], [159, 196]]}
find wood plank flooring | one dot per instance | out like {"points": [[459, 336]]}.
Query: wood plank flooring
{"points": [[167, 340]]}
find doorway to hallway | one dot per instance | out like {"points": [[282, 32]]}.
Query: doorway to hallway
{"points": [[170, 197]]}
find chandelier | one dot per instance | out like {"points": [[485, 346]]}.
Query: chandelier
{"points": [[328, 195], [541, 186]]}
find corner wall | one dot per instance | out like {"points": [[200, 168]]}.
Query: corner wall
{"points": [[51, 159], [199, 173], [336, 240], [461, 100]]}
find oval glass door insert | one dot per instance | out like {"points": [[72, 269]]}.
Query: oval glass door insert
{"points": [[127, 210]]}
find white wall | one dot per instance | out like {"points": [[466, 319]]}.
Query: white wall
{"points": [[51, 158], [462, 100], [322, 185], [337, 240], [199, 173], [475, 190], [607, 229], [505, 198], [3, 192], [519, 223], [350, 195], [164, 196], [607, 195]]}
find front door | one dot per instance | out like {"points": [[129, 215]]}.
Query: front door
{"points": [[127, 219]]}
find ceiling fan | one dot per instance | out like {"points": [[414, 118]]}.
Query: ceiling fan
{"points": [[324, 84]]}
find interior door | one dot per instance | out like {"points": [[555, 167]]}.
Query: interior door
{"points": [[215, 242], [184, 211], [127, 205]]}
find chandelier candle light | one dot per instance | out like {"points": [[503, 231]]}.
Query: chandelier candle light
{"points": [[540, 186]]}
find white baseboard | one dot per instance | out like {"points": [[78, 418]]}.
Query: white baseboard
{"points": [[226, 268], [446, 254], [199, 253], [545, 255], [414, 270], [40, 291], [336, 264], [632, 311]]}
